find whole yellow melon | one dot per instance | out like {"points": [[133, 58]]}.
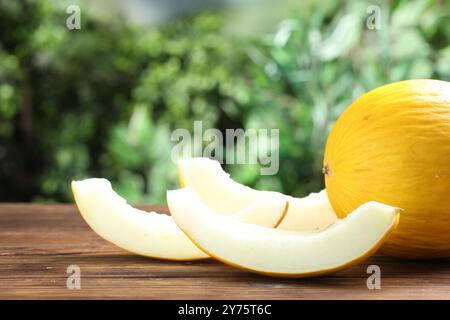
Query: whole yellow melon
{"points": [[392, 145]]}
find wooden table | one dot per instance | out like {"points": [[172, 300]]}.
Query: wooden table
{"points": [[39, 242]]}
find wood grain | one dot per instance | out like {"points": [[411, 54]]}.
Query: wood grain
{"points": [[39, 242]]}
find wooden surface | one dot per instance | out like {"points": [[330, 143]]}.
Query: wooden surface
{"points": [[39, 242]]}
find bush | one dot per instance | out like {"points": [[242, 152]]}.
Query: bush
{"points": [[104, 100]]}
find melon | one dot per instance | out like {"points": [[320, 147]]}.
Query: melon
{"points": [[154, 234], [392, 145], [283, 253], [219, 192]]}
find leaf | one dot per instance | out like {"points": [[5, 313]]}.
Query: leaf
{"points": [[344, 37]]}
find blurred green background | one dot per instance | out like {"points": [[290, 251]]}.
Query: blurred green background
{"points": [[102, 101]]}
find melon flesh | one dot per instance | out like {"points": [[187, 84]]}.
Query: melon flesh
{"points": [[313, 212], [214, 186], [222, 194], [152, 234], [279, 252]]}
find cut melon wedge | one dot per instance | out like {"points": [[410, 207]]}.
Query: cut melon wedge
{"points": [[313, 212], [152, 234], [221, 194], [284, 253], [215, 188]]}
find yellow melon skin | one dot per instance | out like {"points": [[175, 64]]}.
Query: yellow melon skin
{"points": [[392, 145]]}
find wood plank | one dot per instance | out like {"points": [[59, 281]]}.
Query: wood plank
{"points": [[39, 242]]}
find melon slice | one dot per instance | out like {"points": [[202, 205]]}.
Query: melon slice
{"points": [[313, 212], [284, 253], [214, 186], [221, 194], [149, 233]]}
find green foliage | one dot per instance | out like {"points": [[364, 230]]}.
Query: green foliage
{"points": [[316, 64], [103, 101]]}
